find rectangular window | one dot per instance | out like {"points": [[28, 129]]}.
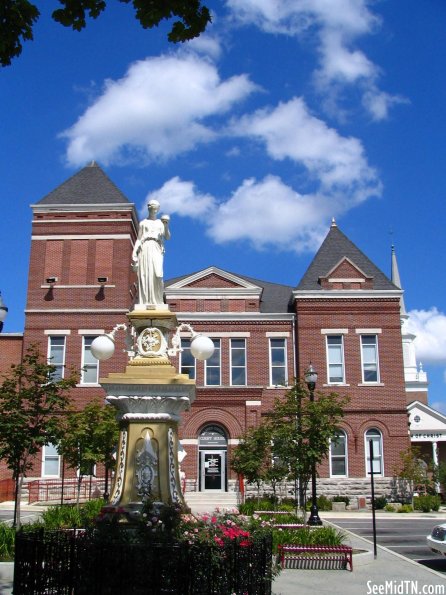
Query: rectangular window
{"points": [[51, 461], [187, 360], [338, 455], [90, 365], [56, 355], [335, 359], [369, 356], [213, 366], [238, 362], [278, 363]]}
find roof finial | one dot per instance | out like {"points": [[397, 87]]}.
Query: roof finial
{"points": [[333, 222]]}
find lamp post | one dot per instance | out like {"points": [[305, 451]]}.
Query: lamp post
{"points": [[3, 312], [310, 380]]}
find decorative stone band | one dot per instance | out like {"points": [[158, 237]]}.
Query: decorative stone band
{"points": [[138, 407], [150, 417]]}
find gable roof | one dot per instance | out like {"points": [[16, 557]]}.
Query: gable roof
{"points": [[274, 298], [335, 248], [88, 186]]}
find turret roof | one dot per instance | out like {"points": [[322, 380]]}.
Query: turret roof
{"points": [[90, 185], [334, 248]]}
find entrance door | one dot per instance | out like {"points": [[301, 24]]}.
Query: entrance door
{"points": [[213, 464]]}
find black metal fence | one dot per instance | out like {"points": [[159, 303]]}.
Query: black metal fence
{"points": [[74, 563]]}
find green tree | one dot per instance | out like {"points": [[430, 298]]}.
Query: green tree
{"points": [[301, 430], [18, 17], [90, 437], [32, 402], [250, 457], [295, 436], [412, 473]]}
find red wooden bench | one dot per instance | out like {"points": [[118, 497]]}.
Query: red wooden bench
{"points": [[319, 553]]}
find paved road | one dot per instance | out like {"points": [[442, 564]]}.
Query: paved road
{"points": [[405, 536]]}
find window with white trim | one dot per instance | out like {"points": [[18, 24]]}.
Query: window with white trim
{"points": [[238, 362], [90, 365], [213, 366], [56, 355], [374, 436], [278, 362], [335, 359], [369, 358], [50, 461], [338, 455], [187, 360]]}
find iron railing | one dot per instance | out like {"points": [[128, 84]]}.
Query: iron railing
{"points": [[75, 563], [54, 490]]}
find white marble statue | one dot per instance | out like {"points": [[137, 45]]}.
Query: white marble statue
{"points": [[148, 256]]}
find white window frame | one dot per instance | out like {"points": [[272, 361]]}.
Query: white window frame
{"points": [[88, 365], [342, 363], [47, 457], [345, 456], [232, 367], [364, 363], [207, 366], [378, 461], [60, 365], [277, 367], [185, 345]]}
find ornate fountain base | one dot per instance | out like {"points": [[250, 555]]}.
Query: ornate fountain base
{"points": [[149, 396]]}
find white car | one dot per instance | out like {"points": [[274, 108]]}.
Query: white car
{"points": [[437, 539]]}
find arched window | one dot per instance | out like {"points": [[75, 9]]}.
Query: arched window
{"points": [[339, 455], [374, 437]]}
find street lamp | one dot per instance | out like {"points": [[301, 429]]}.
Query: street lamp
{"points": [[310, 380], [3, 312]]}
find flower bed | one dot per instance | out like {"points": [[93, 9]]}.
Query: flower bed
{"points": [[158, 550]]}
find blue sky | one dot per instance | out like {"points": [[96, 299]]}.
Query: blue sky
{"points": [[284, 114]]}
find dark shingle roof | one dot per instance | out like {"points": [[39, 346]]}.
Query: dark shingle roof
{"points": [[275, 298], [334, 248], [90, 185]]}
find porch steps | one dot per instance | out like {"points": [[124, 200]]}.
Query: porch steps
{"points": [[200, 502]]}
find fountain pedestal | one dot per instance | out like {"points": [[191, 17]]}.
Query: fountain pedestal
{"points": [[149, 397]]}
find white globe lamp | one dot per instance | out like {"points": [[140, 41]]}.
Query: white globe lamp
{"points": [[103, 347], [202, 347]]}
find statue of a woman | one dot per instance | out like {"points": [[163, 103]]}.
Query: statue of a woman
{"points": [[148, 255]]}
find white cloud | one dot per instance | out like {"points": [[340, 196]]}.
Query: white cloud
{"points": [[266, 213], [157, 110], [291, 131], [378, 103], [269, 213], [337, 25], [429, 326], [177, 196]]}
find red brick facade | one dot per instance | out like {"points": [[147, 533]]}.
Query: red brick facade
{"points": [[74, 245]]}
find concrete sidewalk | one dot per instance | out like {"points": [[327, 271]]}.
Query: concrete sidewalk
{"points": [[388, 574]]}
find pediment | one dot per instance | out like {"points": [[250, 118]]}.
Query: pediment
{"points": [[425, 421], [346, 275], [214, 278], [345, 268]]}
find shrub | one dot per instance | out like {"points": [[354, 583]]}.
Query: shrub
{"points": [[7, 536], [345, 499], [389, 508], [427, 503], [69, 516], [405, 508], [380, 502], [323, 503], [252, 504], [307, 536]]}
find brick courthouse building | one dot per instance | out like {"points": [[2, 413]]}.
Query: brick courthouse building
{"points": [[344, 315]]}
